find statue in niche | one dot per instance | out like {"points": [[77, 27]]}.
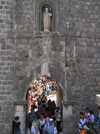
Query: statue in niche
{"points": [[47, 20]]}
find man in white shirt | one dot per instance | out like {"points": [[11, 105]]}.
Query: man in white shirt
{"points": [[87, 114]]}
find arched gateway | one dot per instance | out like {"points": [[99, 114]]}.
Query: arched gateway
{"points": [[51, 62], [21, 106]]}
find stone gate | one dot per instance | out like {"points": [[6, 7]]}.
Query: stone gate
{"points": [[69, 52]]}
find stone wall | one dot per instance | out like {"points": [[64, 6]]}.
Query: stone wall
{"points": [[70, 55]]}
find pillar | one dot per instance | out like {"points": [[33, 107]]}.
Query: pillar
{"points": [[20, 110]]}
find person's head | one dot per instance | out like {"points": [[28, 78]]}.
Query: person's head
{"points": [[53, 102], [35, 118], [87, 109], [17, 118], [49, 102], [41, 116], [57, 112], [81, 114], [32, 110], [50, 121], [90, 111]]}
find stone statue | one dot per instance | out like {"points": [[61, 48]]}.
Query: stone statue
{"points": [[47, 20]]}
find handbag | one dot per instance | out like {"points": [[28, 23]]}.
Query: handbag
{"points": [[46, 132]]}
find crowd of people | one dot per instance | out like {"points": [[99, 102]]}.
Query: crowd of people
{"points": [[40, 90], [47, 119], [86, 121], [44, 116]]}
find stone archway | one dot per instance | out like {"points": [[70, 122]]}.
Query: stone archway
{"points": [[51, 63], [22, 104], [56, 96], [58, 91]]}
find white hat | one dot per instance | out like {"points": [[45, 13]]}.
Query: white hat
{"points": [[50, 119]]}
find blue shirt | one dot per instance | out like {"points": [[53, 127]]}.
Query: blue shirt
{"points": [[43, 103], [47, 87], [99, 115], [40, 81], [31, 117], [91, 118], [49, 128]]}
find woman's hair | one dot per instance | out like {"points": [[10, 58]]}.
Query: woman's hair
{"points": [[87, 108], [17, 118], [81, 113], [41, 115], [47, 109], [91, 112], [35, 117]]}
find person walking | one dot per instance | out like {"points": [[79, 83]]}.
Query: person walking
{"points": [[82, 122], [31, 117], [16, 126], [49, 127], [58, 120], [42, 123]]}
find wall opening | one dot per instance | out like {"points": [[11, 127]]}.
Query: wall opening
{"points": [[51, 11], [44, 88]]}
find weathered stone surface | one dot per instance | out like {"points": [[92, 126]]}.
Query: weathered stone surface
{"points": [[70, 54]]}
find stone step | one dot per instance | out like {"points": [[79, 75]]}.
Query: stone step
{"points": [[96, 130]]}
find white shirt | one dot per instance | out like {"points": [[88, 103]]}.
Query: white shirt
{"points": [[42, 122], [87, 114]]}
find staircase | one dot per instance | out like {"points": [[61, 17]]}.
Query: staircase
{"points": [[96, 130]]}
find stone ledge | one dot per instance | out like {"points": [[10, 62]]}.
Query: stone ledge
{"points": [[20, 102], [45, 34], [67, 103]]}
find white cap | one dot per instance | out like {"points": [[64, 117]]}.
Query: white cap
{"points": [[50, 119]]}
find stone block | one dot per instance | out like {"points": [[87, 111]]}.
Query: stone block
{"points": [[1, 128], [8, 128], [88, 3], [98, 60], [19, 108], [98, 44]]}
